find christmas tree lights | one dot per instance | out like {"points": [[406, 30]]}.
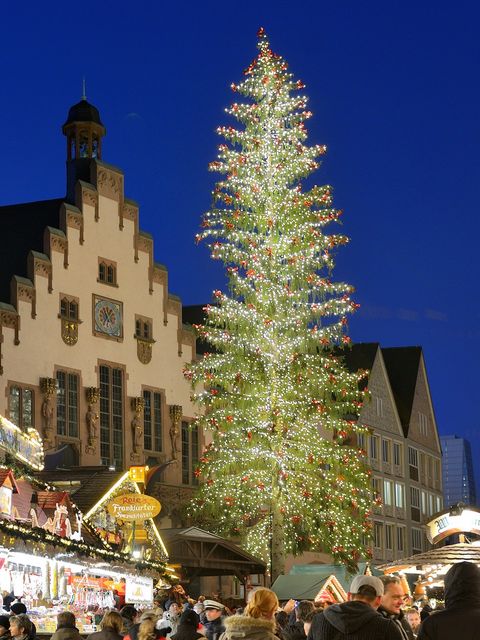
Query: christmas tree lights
{"points": [[283, 472]]}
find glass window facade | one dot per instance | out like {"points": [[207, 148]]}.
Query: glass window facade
{"points": [[457, 468]]}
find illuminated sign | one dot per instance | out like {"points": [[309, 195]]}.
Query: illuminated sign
{"points": [[139, 590], [449, 523], [134, 507], [24, 445]]}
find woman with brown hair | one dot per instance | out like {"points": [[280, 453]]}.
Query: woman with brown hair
{"points": [[112, 627], [257, 621]]}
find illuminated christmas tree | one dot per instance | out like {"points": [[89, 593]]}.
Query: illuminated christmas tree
{"points": [[283, 472]]}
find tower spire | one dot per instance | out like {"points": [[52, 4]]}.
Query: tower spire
{"points": [[84, 89]]}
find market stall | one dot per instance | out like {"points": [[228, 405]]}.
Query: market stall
{"points": [[426, 571], [314, 586], [52, 558]]}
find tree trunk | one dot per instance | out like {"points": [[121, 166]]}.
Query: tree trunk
{"points": [[277, 544]]}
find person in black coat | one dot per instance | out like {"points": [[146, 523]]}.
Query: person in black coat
{"points": [[188, 626], [214, 626], [461, 617], [295, 630], [391, 606], [356, 619]]}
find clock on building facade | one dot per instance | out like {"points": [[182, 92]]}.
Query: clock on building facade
{"points": [[107, 317]]}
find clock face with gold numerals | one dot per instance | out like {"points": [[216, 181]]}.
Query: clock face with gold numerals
{"points": [[108, 317]]}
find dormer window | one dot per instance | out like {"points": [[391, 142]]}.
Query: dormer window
{"points": [[107, 272]]}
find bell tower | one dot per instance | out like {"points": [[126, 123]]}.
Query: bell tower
{"points": [[84, 132]]}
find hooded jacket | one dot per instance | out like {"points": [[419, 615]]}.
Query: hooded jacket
{"points": [[248, 628], [461, 617], [355, 620]]}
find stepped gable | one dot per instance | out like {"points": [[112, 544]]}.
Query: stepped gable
{"points": [[402, 365], [23, 227]]}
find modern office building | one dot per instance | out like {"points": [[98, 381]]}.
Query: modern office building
{"points": [[458, 476]]}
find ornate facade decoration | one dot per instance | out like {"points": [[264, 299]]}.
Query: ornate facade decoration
{"points": [[144, 350], [91, 418], [176, 413], [110, 183], [138, 405], [69, 331], [48, 387]]}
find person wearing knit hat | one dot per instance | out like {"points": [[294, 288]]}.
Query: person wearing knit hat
{"points": [[188, 627]]}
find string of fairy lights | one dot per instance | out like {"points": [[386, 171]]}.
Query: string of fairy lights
{"points": [[282, 472]]}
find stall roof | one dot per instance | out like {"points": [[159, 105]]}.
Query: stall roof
{"points": [[447, 555], [205, 554], [86, 485], [307, 586]]}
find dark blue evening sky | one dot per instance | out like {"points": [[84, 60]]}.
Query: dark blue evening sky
{"points": [[394, 87]]}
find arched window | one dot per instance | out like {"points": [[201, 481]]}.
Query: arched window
{"points": [[107, 271], [83, 144], [110, 274], [95, 146], [69, 308], [73, 149]]}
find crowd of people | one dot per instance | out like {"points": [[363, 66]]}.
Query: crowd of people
{"points": [[377, 609]]}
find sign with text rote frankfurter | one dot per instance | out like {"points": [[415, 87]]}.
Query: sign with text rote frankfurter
{"points": [[134, 507]]}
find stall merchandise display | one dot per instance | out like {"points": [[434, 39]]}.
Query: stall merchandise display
{"points": [[45, 620]]}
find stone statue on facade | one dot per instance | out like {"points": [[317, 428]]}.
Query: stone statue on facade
{"points": [[48, 387], [91, 418], [137, 428], [175, 417]]}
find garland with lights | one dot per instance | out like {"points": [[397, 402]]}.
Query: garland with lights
{"points": [[282, 472], [38, 535]]}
